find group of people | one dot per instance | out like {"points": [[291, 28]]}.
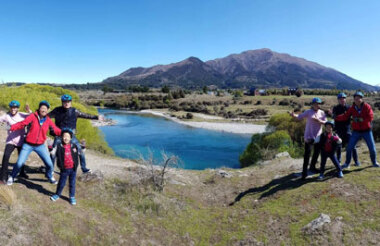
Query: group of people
{"points": [[351, 123], [27, 132]]}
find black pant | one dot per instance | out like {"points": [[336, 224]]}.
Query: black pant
{"points": [[9, 148], [306, 157]]}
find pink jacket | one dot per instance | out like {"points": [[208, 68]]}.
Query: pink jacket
{"points": [[16, 137], [313, 129]]}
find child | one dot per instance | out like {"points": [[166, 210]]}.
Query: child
{"points": [[67, 161], [329, 143]]}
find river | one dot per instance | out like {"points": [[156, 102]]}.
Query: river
{"points": [[141, 134]]}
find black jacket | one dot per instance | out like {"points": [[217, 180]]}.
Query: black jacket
{"points": [[61, 156], [341, 127], [323, 140], [67, 118]]}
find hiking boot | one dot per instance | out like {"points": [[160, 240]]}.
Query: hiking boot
{"points": [[24, 175], [345, 166], [340, 174], [376, 165], [54, 197], [10, 180], [73, 201], [87, 170], [357, 164], [53, 181]]}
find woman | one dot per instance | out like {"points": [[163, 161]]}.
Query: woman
{"points": [[315, 118], [39, 124], [14, 139]]}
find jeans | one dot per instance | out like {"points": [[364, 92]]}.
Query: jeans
{"points": [[71, 173], [345, 140], [74, 140], [324, 156], [42, 152], [9, 148], [306, 157], [356, 136]]}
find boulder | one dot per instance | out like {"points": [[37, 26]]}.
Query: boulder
{"points": [[96, 176], [282, 154], [317, 225]]}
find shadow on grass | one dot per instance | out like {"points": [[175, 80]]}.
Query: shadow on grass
{"points": [[288, 182], [34, 186]]}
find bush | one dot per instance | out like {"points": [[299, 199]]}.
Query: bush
{"points": [[252, 153], [189, 116], [285, 122], [376, 129]]}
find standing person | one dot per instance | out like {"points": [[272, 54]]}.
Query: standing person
{"points": [[67, 162], [362, 117], [66, 117], [14, 139], [329, 143], [342, 128], [315, 118], [39, 124]]}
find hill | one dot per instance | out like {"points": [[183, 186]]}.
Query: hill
{"points": [[254, 68], [262, 205]]}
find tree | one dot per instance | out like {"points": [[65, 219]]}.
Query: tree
{"points": [[106, 89], [205, 89], [165, 89]]}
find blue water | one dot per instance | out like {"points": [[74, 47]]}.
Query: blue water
{"points": [[197, 148]]}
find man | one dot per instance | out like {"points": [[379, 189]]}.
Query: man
{"points": [[39, 124], [362, 117], [66, 117], [315, 118], [342, 128]]}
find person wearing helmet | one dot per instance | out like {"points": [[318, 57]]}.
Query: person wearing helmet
{"points": [[342, 128], [39, 123], [329, 143], [315, 118], [14, 139], [362, 116], [66, 117]]}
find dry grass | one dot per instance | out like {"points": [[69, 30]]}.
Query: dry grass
{"points": [[7, 197]]}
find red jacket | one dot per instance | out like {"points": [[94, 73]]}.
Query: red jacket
{"points": [[360, 121], [37, 133]]}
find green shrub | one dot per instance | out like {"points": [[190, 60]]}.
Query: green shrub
{"points": [[285, 122], [252, 153], [276, 140]]}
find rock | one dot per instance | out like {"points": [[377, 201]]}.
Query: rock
{"points": [[282, 154], [96, 176], [317, 224], [223, 173]]}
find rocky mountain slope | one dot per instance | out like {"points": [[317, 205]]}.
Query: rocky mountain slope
{"points": [[254, 68]]}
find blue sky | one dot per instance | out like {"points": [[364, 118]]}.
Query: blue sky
{"points": [[88, 41]]}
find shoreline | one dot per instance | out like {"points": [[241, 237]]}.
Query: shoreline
{"points": [[238, 128]]}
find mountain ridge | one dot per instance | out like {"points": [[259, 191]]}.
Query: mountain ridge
{"points": [[251, 68]]}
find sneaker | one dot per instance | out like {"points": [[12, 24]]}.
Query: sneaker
{"points": [[10, 181], [54, 197], [340, 174], [321, 177], [357, 164], [73, 201], [87, 171], [345, 166], [53, 181], [376, 164]]}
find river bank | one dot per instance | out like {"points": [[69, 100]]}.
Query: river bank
{"points": [[231, 127]]}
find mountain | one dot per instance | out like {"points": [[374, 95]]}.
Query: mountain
{"points": [[253, 68]]}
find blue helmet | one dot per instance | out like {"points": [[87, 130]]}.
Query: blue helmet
{"points": [[68, 130], [14, 103], [42, 103], [342, 95], [330, 122], [66, 98], [359, 93], [316, 100]]}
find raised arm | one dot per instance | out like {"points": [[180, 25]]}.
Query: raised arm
{"points": [[344, 117], [23, 123], [85, 116]]}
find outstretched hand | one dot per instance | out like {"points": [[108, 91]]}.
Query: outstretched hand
{"points": [[5, 126], [27, 108]]}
